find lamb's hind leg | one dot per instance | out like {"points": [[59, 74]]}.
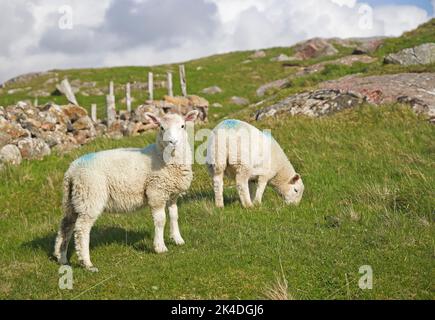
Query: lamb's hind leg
{"points": [[89, 201], [82, 232], [64, 235], [218, 188]]}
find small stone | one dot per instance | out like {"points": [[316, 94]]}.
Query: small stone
{"points": [[10, 154], [33, 148], [83, 123], [282, 58], [278, 84], [239, 101], [258, 54], [74, 112], [212, 90]]}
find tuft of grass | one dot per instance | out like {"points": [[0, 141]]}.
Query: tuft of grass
{"points": [[279, 290]]}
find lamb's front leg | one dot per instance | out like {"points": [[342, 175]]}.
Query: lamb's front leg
{"points": [[159, 217], [174, 229], [262, 183], [242, 183]]}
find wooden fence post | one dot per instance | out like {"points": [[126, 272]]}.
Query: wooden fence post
{"points": [[94, 112], [128, 96], [111, 89], [110, 109], [183, 80], [169, 84], [151, 86], [66, 89]]}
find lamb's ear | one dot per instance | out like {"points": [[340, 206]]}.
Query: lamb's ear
{"points": [[152, 118], [295, 178], [191, 116]]}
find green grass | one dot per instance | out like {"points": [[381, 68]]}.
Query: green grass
{"points": [[423, 34], [368, 170], [369, 200]]}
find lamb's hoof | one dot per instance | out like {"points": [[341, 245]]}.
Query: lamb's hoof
{"points": [[160, 248], [219, 205], [247, 205], [91, 268], [178, 240], [62, 261]]}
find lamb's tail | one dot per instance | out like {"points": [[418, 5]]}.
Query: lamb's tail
{"points": [[68, 221]]}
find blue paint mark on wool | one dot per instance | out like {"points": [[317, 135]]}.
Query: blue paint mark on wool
{"points": [[87, 158], [146, 150], [267, 134], [231, 124]]}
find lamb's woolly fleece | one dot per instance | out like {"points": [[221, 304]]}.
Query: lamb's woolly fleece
{"points": [[121, 180], [243, 152]]}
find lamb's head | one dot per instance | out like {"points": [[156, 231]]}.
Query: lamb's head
{"points": [[172, 133], [293, 190]]}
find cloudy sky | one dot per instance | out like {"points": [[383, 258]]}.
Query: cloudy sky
{"points": [[40, 35]]}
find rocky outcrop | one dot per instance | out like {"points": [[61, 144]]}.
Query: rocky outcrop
{"points": [[415, 89], [347, 61], [27, 77], [422, 54], [313, 104], [314, 48], [367, 45]]}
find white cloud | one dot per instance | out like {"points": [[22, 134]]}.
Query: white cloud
{"points": [[146, 32]]}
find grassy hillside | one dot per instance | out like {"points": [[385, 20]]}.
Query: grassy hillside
{"points": [[369, 177], [228, 71]]}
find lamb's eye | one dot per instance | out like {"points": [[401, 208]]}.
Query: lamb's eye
{"points": [[296, 190], [161, 128], [183, 126]]}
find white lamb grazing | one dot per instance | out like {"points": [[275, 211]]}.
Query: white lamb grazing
{"points": [[241, 151], [123, 180]]}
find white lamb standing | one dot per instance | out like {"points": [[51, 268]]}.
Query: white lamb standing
{"points": [[123, 180], [241, 151]]}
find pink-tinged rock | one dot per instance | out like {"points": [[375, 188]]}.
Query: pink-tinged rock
{"points": [[314, 48], [83, 123], [416, 89], [33, 149], [74, 112]]}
